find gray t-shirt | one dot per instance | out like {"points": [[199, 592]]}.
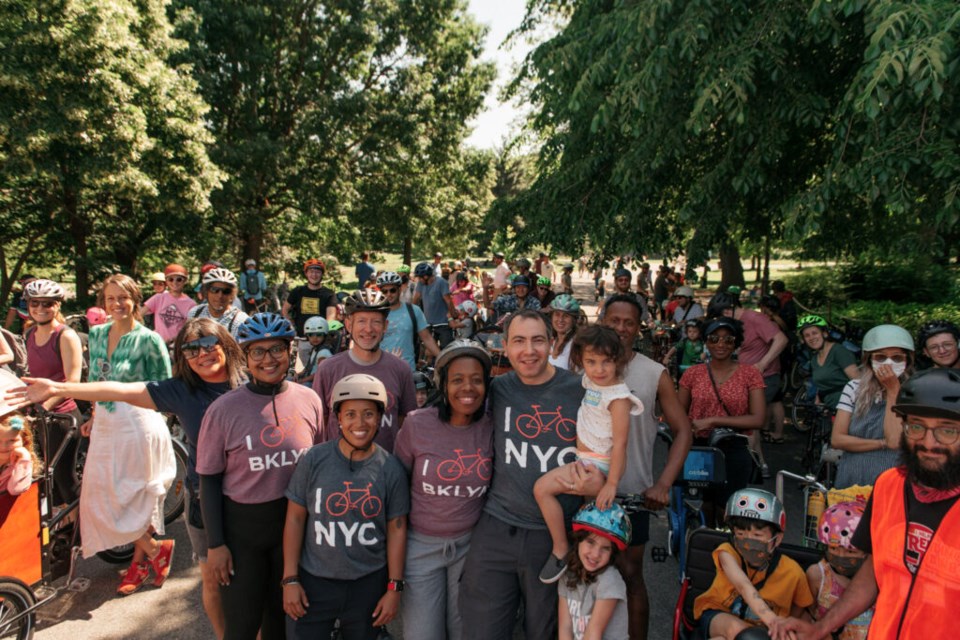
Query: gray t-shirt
{"points": [[434, 306], [580, 601], [642, 377], [534, 432], [347, 510]]}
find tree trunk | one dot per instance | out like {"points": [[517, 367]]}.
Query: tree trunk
{"points": [[407, 249], [731, 269], [765, 285], [79, 229], [759, 267], [252, 241]]}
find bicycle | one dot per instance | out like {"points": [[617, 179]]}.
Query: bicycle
{"points": [[813, 504], [531, 425], [819, 458], [342, 501], [453, 470]]}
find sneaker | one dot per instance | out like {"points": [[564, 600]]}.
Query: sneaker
{"points": [[161, 562], [134, 578], [765, 471], [552, 570]]}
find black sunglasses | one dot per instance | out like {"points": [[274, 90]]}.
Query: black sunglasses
{"points": [[389, 289], [46, 304], [221, 290], [192, 349]]}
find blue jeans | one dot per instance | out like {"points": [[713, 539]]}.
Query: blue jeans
{"points": [[430, 603]]}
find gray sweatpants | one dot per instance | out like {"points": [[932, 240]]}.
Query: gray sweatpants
{"points": [[503, 566], [430, 603]]}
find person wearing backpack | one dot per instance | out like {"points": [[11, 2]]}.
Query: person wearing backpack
{"points": [[54, 351], [406, 325], [252, 285]]}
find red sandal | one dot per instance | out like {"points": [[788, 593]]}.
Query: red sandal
{"points": [[133, 579], [161, 562]]}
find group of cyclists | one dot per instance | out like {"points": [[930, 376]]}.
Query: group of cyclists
{"points": [[354, 458]]}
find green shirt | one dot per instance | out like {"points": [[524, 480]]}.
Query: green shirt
{"points": [[829, 377], [140, 356]]}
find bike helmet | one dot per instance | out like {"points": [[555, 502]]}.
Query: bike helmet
{"points": [[936, 327], [359, 386], [684, 291], [499, 254], [568, 266], [693, 322], [175, 269], [335, 325], [220, 275], [366, 300], [316, 326], [313, 263], [404, 268], [622, 273], [735, 327], [523, 263], [389, 277], [211, 264], [543, 281], [250, 262], [565, 303], [734, 290], [422, 381], [265, 326], [612, 523], [521, 281], [757, 504], [44, 289], [469, 307], [720, 302], [838, 523], [811, 321], [457, 348], [424, 270], [934, 393], [887, 335], [158, 277], [96, 316]]}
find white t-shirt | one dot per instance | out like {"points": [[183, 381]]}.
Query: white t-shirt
{"points": [[580, 601], [563, 360], [594, 424], [500, 274]]}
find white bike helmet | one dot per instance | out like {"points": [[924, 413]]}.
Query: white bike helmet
{"points": [[44, 289], [220, 275], [387, 278], [469, 307], [316, 326]]}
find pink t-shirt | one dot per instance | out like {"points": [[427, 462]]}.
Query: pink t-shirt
{"points": [[169, 313], [735, 391], [758, 333], [450, 470], [239, 438]]}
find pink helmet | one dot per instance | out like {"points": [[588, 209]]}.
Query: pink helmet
{"points": [[837, 524], [95, 316]]}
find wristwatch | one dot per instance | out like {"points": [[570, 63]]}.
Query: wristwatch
{"points": [[395, 585], [290, 580]]}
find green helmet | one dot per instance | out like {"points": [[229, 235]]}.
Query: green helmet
{"points": [[811, 321], [566, 303], [757, 504], [883, 336], [543, 281], [404, 268], [334, 325]]}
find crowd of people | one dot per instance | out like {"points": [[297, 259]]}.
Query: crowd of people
{"points": [[332, 482]]}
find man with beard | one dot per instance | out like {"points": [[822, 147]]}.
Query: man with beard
{"points": [[910, 526], [366, 321]]}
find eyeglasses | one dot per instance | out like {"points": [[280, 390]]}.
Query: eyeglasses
{"points": [[192, 349], [46, 304], [715, 339], [943, 435], [221, 290], [946, 347], [276, 351], [880, 358], [389, 289], [176, 279]]}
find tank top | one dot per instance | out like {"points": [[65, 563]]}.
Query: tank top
{"points": [[830, 591], [45, 362]]}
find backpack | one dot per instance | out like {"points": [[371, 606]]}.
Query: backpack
{"points": [[19, 348], [253, 283]]}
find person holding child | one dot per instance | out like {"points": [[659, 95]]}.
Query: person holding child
{"points": [[755, 583], [603, 421]]}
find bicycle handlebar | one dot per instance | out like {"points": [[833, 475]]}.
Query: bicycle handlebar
{"points": [[808, 480]]}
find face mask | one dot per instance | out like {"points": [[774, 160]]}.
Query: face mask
{"points": [[898, 367], [844, 565], [755, 553]]}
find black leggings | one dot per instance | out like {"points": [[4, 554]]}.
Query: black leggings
{"points": [[66, 489], [253, 601]]}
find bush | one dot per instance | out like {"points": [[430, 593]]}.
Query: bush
{"points": [[916, 279], [910, 315], [817, 288]]}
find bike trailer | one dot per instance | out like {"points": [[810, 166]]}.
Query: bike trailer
{"points": [[700, 572]]}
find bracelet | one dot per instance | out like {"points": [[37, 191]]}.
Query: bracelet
{"points": [[883, 443], [290, 580]]}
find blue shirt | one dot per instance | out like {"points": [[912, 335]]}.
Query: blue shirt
{"points": [[399, 336]]}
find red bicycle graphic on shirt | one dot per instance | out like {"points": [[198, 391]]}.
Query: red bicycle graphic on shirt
{"points": [[342, 501], [451, 470], [273, 435], [532, 425]]}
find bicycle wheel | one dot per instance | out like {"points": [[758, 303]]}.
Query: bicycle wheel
{"points": [[176, 500], [117, 555], [15, 598], [802, 416]]}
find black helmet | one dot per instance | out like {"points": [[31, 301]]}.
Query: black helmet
{"points": [[422, 381], [424, 270], [735, 327], [720, 302], [934, 393], [622, 273], [935, 327], [366, 300]]}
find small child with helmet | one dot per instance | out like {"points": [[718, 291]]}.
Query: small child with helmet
{"points": [[316, 330], [463, 321], [690, 347], [830, 577], [423, 385], [755, 584], [593, 595]]}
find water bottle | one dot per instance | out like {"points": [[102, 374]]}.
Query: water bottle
{"points": [[816, 504]]}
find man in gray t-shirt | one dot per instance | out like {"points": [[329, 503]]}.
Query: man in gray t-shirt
{"points": [[534, 413]]}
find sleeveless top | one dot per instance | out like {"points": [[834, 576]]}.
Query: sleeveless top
{"points": [[46, 362], [828, 594]]}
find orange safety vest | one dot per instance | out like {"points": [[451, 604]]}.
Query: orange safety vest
{"points": [[925, 604]]}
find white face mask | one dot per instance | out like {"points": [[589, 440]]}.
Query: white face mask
{"points": [[898, 367]]}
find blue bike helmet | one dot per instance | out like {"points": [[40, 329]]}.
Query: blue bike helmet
{"points": [[265, 326], [613, 523], [424, 270]]}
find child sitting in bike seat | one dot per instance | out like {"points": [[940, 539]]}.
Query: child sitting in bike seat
{"points": [[17, 457], [830, 577], [602, 424], [755, 584]]}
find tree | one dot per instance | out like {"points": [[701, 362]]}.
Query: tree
{"points": [[102, 139], [743, 120]]}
